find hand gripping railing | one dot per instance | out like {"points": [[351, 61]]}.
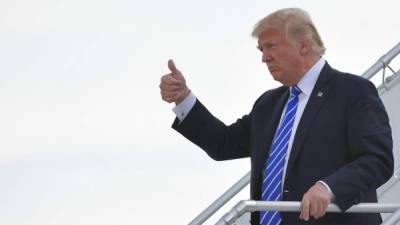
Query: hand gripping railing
{"points": [[251, 206], [245, 180]]}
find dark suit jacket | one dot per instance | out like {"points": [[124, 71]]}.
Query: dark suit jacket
{"points": [[343, 138]]}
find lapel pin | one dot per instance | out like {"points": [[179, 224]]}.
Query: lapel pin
{"points": [[320, 93]]}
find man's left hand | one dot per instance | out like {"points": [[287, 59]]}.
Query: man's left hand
{"points": [[315, 201]]}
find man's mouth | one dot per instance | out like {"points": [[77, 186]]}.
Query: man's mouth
{"points": [[272, 68]]}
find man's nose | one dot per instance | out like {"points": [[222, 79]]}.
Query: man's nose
{"points": [[266, 57]]}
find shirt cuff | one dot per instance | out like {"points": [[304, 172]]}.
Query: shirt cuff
{"points": [[182, 109], [329, 189]]}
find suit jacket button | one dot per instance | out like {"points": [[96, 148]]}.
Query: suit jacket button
{"points": [[286, 191]]}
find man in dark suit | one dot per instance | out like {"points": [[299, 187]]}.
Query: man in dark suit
{"points": [[322, 137]]}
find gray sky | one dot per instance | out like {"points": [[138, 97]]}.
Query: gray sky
{"points": [[85, 137]]}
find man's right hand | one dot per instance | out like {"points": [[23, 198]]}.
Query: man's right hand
{"points": [[173, 85]]}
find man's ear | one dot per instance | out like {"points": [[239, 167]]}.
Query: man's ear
{"points": [[305, 47]]}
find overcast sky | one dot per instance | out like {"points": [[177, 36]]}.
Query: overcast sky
{"points": [[84, 135]]}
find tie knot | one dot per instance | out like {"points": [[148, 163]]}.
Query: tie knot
{"points": [[295, 91]]}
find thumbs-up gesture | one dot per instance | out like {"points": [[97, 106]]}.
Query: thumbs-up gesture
{"points": [[173, 85]]}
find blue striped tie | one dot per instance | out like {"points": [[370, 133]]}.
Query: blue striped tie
{"points": [[273, 173]]}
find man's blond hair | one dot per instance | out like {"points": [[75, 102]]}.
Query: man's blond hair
{"points": [[297, 25]]}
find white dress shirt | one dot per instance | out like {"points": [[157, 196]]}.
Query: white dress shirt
{"points": [[306, 85]]}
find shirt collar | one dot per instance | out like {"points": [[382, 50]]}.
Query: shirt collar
{"points": [[307, 82]]}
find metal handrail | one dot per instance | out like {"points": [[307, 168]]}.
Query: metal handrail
{"points": [[224, 198], [286, 206], [238, 186], [388, 185], [394, 218], [382, 62], [389, 83]]}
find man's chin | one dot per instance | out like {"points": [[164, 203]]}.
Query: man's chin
{"points": [[276, 76]]}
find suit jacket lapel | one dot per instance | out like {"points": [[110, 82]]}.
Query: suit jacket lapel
{"points": [[318, 97]]}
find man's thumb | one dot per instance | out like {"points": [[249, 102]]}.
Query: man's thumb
{"points": [[172, 67]]}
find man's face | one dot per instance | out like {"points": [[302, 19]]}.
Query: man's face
{"points": [[281, 55]]}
